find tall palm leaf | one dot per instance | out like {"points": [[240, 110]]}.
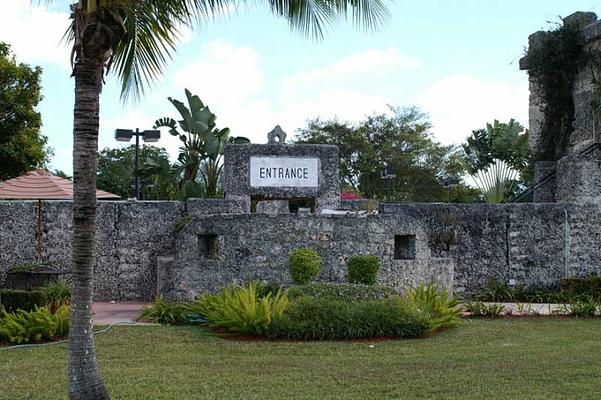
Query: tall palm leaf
{"points": [[136, 39]]}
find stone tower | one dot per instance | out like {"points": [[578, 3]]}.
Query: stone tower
{"points": [[568, 165]]}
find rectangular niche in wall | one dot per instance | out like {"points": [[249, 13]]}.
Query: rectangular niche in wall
{"points": [[404, 247], [208, 246]]}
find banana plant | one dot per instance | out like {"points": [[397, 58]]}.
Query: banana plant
{"points": [[202, 142]]}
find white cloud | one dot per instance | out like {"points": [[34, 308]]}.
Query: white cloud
{"points": [[459, 104], [342, 104], [360, 68], [229, 79], [34, 32], [223, 73]]}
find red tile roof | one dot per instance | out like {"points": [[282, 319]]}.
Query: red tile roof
{"points": [[42, 185], [350, 196]]}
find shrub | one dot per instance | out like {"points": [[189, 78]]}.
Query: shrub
{"points": [[169, 313], [582, 287], [581, 308], [442, 311], [304, 265], [13, 300], [311, 318], [363, 269], [496, 291], [242, 309], [57, 294], [341, 291], [479, 309], [33, 326]]}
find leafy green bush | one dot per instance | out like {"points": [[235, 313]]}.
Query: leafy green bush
{"points": [[442, 311], [480, 309], [27, 300], [242, 309], [312, 318], [168, 313], [363, 269], [580, 308], [341, 291], [33, 326], [496, 290], [305, 265], [57, 294], [582, 287]]}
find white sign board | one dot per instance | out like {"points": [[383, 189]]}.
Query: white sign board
{"points": [[284, 172]]}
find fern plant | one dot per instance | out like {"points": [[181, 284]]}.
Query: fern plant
{"points": [[442, 310], [242, 309], [167, 312], [34, 326]]}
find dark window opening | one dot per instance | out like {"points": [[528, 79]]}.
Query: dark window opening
{"points": [[301, 202], [208, 246], [404, 247]]}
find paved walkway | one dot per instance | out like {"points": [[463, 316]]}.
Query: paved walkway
{"points": [[114, 313]]}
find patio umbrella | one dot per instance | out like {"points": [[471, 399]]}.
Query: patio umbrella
{"points": [[42, 185]]}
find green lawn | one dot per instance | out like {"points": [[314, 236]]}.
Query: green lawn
{"points": [[482, 359]]}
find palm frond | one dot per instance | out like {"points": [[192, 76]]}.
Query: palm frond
{"points": [[312, 17]]}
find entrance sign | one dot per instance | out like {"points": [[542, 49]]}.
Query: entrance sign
{"points": [[284, 172]]}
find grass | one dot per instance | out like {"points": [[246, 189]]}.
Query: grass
{"points": [[491, 359]]}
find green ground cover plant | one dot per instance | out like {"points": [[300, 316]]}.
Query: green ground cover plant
{"points": [[311, 318], [315, 312], [494, 359], [569, 290], [342, 291], [33, 326], [168, 313], [242, 309]]}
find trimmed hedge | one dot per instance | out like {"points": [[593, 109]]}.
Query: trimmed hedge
{"points": [[305, 265], [342, 291], [311, 318], [363, 269], [27, 300], [582, 287]]}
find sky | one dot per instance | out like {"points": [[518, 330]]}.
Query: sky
{"points": [[457, 60]]}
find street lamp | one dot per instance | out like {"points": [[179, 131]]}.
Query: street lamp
{"points": [[389, 175], [450, 183], [149, 136]]}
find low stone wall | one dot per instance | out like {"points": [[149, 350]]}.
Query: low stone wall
{"points": [[216, 250], [129, 238], [535, 244]]}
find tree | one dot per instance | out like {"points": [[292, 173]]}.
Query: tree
{"points": [[498, 141], [136, 38], [498, 159], [22, 147], [203, 143], [399, 140], [116, 172]]}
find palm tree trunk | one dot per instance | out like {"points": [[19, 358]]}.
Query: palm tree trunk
{"points": [[85, 381]]}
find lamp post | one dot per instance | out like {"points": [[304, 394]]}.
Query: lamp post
{"points": [[389, 175], [449, 183], [125, 135]]}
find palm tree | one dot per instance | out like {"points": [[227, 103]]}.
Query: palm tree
{"points": [[134, 38]]}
